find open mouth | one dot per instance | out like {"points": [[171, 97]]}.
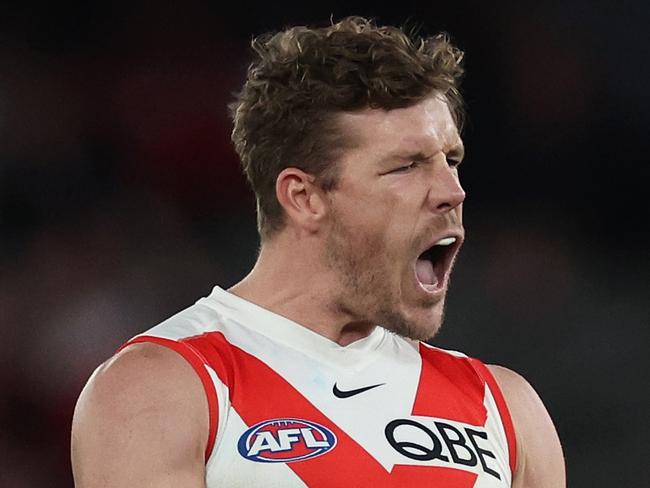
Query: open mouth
{"points": [[432, 266]]}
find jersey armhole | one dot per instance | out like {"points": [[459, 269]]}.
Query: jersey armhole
{"points": [[199, 364], [502, 406]]}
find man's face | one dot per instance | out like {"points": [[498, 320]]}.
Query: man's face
{"points": [[396, 216]]}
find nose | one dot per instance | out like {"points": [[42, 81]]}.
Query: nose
{"points": [[445, 193]]}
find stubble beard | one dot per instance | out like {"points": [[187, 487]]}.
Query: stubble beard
{"points": [[362, 264]]}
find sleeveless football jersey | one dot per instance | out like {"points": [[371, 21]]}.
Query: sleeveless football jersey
{"points": [[290, 408]]}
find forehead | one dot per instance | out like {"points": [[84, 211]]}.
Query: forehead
{"points": [[427, 127]]}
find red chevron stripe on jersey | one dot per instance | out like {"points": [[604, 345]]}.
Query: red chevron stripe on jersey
{"points": [[458, 397], [341, 466], [503, 411]]}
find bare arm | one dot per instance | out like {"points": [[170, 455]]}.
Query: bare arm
{"points": [[142, 420], [540, 463]]}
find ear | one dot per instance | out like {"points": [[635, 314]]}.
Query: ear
{"points": [[301, 198]]}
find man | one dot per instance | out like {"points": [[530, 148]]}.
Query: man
{"points": [[309, 372]]}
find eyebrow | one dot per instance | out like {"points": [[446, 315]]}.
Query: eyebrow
{"points": [[456, 152]]}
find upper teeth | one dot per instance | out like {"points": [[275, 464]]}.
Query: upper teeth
{"points": [[445, 241]]}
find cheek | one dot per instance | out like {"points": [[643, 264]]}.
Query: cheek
{"points": [[379, 225]]}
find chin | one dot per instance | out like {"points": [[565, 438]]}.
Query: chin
{"points": [[428, 331], [421, 325]]}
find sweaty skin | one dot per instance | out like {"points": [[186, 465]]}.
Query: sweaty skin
{"points": [[142, 419]]}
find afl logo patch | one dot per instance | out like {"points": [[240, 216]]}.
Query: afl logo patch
{"points": [[285, 441]]}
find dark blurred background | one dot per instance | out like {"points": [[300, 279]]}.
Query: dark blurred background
{"points": [[121, 201]]}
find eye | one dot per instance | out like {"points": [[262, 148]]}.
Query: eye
{"points": [[405, 168], [454, 163]]}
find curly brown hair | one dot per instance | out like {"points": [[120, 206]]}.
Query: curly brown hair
{"points": [[285, 115]]}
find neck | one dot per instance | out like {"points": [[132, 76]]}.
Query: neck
{"points": [[290, 279]]}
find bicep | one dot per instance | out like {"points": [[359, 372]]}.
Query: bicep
{"points": [[540, 462], [141, 421]]}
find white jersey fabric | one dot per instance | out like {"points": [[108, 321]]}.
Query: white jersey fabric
{"points": [[290, 408]]}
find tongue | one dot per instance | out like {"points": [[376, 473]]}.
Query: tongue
{"points": [[424, 272]]}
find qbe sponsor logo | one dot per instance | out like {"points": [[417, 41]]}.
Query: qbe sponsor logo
{"points": [[443, 442], [285, 441]]}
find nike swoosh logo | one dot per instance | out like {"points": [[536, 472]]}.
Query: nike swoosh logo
{"points": [[348, 393]]}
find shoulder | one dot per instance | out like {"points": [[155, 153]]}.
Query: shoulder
{"points": [[136, 372], [141, 407], [540, 462]]}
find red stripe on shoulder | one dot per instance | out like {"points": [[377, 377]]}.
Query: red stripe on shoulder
{"points": [[449, 388], [216, 351], [506, 419], [198, 363]]}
